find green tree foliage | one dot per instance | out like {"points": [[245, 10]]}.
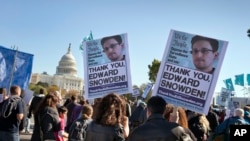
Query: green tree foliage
{"points": [[44, 84], [153, 70], [35, 88]]}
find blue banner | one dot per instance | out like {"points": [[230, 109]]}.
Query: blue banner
{"points": [[239, 79], [229, 84], [15, 68], [248, 79]]}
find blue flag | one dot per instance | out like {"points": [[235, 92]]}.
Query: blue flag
{"points": [[87, 38], [248, 79], [15, 68], [239, 79], [229, 84]]}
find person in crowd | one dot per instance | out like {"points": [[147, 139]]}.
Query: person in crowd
{"points": [[111, 115], [12, 112], [236, 119], [3, 93], [76, 114], [48, 117], [156, 128], [222, 116], [213, 119], [32, 108], [61, 135], [178, 115], [82, 123], [67, 101], [95, 106], [59, 96], [199, 125], [204, 53], [128, 107], [246, 109], [24, 122], [138, 117], [73, 103], [113, 47]]}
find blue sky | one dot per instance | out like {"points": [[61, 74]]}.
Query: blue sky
{"points": [[46, 27]]}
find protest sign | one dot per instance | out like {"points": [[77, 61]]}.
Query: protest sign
{"points": [[184, 79], [147, 90], [136, 92], [107, 66], [224, 97]]}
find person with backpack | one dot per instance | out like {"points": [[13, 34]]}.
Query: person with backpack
{"points": [[12, 112], [77, 131]]}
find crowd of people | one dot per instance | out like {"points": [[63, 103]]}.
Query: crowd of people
{"points": [[110, 118]]}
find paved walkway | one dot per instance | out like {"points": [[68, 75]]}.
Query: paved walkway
{"points": [[25, 137]]}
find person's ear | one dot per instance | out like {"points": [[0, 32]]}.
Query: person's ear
{"points": [[216, 54], [122, 45]]}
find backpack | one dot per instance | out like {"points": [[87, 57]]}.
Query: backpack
{"points": [[8, 105], [77, 130]]}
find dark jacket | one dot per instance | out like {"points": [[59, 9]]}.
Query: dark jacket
{"points": [[213, 119], [50, 122], [98, 132], [156, 128], [34, 104]]}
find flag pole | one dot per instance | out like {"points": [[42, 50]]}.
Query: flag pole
{"points": [[13, 68]]}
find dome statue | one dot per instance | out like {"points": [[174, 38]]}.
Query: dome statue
{"points": [[67, 64]]}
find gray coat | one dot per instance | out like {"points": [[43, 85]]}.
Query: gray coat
{"points": [[50, 122]]}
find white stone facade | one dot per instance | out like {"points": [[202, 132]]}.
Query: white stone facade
{"points": [[65, 77]]}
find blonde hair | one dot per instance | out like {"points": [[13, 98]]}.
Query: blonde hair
{"points": [[204, 123]]}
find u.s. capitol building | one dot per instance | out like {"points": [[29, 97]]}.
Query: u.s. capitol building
{"points": [[66, 75]]}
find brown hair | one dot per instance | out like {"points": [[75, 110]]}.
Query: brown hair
{"points": [[49, 100], [111, 110], [182, 115], [87, 111], [15, 90]]}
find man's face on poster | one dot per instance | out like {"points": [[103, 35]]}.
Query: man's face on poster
{"points": [[113, 50], [236, 105], [203, 55]]}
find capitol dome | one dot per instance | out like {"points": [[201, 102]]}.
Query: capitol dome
{"points": [[67, 64]]}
